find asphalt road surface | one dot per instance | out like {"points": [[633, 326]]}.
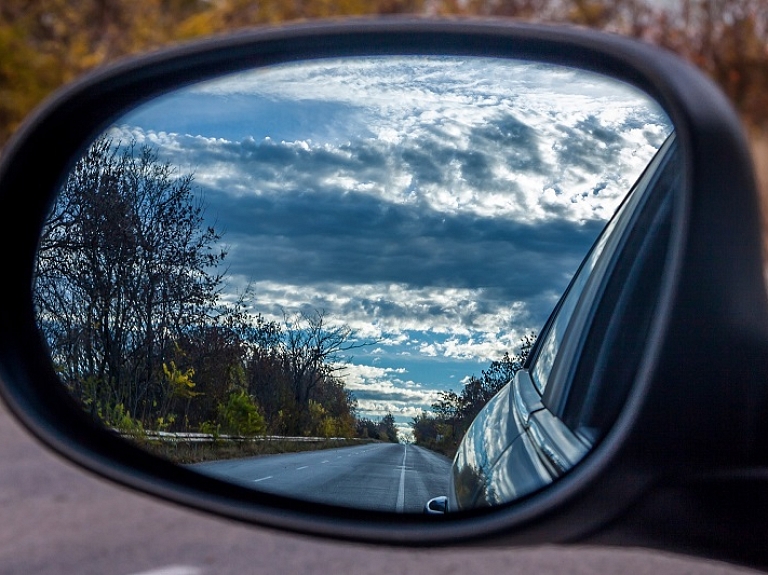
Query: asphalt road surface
{"points": [[56, 519], [381, 476]]}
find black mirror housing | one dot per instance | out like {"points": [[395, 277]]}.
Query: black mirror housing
{"points": [[693, 433]]}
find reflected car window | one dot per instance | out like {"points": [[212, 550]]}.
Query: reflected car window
{"points": [[553, 339], [551, 344]]}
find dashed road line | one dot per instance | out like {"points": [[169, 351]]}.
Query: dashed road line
{"points": [[401, 490]]}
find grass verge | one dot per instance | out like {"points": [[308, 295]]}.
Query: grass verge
{"points": [[185, 452]]}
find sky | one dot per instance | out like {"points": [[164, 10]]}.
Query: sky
{"points": [[436, 205]]}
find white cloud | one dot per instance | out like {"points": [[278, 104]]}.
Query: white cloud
{"points": [[399, 316], [409, 198], [427, 109]]}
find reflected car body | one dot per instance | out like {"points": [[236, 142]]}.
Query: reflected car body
{"points": [[543, 423]]}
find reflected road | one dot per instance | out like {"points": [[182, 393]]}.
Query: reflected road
{"points": [[381, 476]]}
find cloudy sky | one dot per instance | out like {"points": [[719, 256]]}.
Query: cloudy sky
{"points": [[438, 206]]}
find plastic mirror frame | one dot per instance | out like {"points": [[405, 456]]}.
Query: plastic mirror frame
{"points": [[59, 131]]}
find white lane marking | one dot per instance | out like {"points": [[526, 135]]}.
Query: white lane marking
{"points": [[326, 461], [262, 479], [173, 570], [401, 490], [302, 467]]}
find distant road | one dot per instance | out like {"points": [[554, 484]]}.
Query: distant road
{"points": [[383, 476]]}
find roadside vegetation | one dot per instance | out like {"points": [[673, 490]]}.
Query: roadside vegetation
{"points": [[189, 452], [127, 292], [128, 295]]}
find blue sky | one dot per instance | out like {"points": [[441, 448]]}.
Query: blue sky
{"points": [[438, 206]]}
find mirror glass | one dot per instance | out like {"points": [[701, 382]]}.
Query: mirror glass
{"points": [[296, 278]]}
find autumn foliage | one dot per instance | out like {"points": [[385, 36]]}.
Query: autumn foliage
{"points": [[127, 293], [48, 42]]}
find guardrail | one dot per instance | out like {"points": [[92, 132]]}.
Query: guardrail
{"points": [[196, 437]]}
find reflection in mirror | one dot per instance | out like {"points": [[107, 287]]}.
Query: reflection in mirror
{"points": [[309, 278]]}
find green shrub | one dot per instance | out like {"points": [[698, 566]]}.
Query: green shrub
{"points": [[240, 415]]}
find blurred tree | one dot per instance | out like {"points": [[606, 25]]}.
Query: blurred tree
{"points": [[48, 42]]}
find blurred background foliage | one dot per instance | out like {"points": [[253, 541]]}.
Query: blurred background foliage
{"points": [[45, 43]]}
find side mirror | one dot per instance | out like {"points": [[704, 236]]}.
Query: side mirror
{"points": [[404, 201], [437, 505]]}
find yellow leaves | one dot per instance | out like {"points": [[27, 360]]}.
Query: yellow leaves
{"points": [[217, 17], [323, 424], [200, 24], [46, 43], [21, 65], [164, 423], [119, 418], [180, 382], [592, 13]]}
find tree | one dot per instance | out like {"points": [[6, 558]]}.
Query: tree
{"points": [[424, 430], [125, 270], [127, 293], [383, 430], [312, 350], [387, 428], [479, 390], [239, 415]]}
